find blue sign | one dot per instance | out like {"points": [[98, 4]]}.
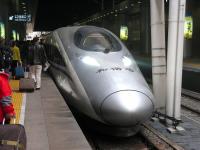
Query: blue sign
{"points": [[20, 18]]}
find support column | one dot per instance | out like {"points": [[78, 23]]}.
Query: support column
{"points": [[158, 53], [175, 57], [171, 55], [179, 59]]}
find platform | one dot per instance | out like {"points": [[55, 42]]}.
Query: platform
{"points": [[48, 121], [191, 65]]}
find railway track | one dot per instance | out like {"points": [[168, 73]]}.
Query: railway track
{"points": [[191, 101], [191, 94], [147, 139], [157, 140], [191, 105], [101, 142]]}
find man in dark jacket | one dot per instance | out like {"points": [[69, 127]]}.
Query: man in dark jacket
{"points": [[5, 55], [36, 59]]}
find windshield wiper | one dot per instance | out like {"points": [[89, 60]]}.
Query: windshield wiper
{"points": [[107, 50]]}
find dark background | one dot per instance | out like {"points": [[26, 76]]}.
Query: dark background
{"points": [[54, 14]]}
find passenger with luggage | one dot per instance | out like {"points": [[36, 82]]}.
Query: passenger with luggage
{"points": [[6, 107], [16, 58], [12, 136], [36, 58]]}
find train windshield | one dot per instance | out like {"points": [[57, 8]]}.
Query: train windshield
{"points": [[97, 42]]}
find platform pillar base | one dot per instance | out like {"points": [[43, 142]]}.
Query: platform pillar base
{"points": [[175, 130]]}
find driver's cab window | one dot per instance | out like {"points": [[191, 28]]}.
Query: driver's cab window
{"points": [[97, 40]]}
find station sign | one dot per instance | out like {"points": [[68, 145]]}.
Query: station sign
{"points": [[124, 33], [188, 27], [20, 18]]}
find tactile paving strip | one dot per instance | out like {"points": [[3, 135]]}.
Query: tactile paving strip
{"points": [[17, 98]]}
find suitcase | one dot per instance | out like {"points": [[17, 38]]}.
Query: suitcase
{"points": [[19, 72], [26, 85], [12, 137]]}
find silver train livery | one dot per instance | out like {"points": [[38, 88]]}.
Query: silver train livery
{"points": [[95, 68]]}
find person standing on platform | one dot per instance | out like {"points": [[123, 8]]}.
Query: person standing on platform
{"points": [[16, 58], [6, 107], [36, 58], [6, 55]]}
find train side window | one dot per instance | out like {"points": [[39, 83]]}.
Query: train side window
{"points": [[47, 47], [51, 52], [57, 58], [48, 51], [78, 39]]}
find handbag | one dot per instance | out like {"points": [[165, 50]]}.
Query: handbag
{"points": [[19, 72]]}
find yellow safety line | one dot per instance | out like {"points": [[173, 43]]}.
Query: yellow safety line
{"points": [[17, 98]]}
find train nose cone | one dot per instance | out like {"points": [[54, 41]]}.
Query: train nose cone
{"points": [[126, 108]]}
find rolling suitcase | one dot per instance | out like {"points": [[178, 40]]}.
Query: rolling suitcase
{"points": [[26, 85], [12, 137]]}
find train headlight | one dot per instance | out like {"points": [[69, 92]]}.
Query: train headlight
{"points": [[127, 61], [90, 61]]}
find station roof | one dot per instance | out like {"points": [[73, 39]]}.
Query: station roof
{"points": [[51, 15]]}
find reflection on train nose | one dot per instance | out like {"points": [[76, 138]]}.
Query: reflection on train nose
{"points": [[126, 108]]}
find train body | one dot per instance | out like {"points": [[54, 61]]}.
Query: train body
{"points": [[101, 76]]}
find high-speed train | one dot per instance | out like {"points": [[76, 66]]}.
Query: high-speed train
{"points": [[95, 68]]}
